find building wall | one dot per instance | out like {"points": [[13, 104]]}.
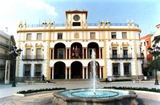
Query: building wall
{"points": [[103, 39], [4, 49]]}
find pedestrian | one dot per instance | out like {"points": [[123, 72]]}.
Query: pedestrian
{"points": [[43, 78]]}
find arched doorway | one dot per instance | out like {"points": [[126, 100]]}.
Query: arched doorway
{"points": [[59, 51], [76, 51], [76, 70], [95, 47], [59, 70], [90, 69]]}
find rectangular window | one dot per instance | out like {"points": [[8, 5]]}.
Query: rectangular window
{"points": [[114, 52], [115, 69], [125, 52], [124, 35], [147, 42], [38, 53], [76, 24], [113, 34], [27, 70], [92, 35], [59, 35], [28, 36], [38, 70], [60, 53], [126, 69], [39, 36], [28, 53]]}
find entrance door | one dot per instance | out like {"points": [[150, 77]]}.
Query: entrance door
{"points": [[76, 70]]}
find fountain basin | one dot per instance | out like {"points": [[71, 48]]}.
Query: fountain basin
{"points": [[87, 97]]}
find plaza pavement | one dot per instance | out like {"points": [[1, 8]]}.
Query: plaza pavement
{"points": [[7, 98]]}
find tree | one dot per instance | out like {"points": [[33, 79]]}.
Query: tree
{"points": [[151, 66], [156, 39], [155, 62]]}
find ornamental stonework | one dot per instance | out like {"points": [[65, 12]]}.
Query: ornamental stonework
{"points": [[125, 44], [114, 44], [76, 35]]}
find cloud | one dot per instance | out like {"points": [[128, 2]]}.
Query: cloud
{"points": [[13, 11], [37, 4]]}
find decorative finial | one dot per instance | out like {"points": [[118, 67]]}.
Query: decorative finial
{"points": [[25, 23], [132, 21]]}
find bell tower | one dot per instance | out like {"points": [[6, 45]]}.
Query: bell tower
{"points": [[76, 17]]}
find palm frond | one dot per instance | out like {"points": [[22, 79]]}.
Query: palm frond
{"points": [[156, 39]]}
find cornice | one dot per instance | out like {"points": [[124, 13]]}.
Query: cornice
{"points": [[28, 45], [114, 44], [125, 44], [88, 29], [38, 45]]}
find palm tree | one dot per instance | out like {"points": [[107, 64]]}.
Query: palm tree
{"points": [[156, 39], [151, 66]]}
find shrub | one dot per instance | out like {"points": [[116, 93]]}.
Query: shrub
{"points": [[135, 88], [39, 90]]}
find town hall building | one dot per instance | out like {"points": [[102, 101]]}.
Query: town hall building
{"points": [[63, 51]]}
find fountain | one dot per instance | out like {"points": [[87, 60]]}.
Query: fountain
{"points": [[94, 96]]}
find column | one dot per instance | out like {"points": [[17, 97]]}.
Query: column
{"points": [[83, 73], [99, 53], [66, 73], [69, 73], [82, 52], [121, 69], [86, 54], [66, 53], [86, 73], [53, 53], [53, 73], [69, 53], [100, 72]]}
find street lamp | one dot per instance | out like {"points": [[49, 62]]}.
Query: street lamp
{"points": [[155, 51], [13, 53]]}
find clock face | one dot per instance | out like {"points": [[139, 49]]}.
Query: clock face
{"points": [[76, 17]]}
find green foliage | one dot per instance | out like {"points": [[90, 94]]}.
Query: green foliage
{"points": [[39, 90], [156, 62], [156, 39], [134, 88]]}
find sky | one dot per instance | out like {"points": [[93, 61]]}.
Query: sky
{"points": [[146, 13]]}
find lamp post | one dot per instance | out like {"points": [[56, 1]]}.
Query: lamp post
{"points": [[13, 53], [155, 51]]}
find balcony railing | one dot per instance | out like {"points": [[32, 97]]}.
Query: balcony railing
{"points": [[120, 56], [89, 24], [5, 45], [32, 57]]}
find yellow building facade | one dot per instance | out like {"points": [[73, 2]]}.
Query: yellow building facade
{"points": [[63, 51]]}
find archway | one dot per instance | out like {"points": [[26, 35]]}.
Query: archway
{"points": [[76, 70], [59, 51], [59, 70], [90, 68], [76, 51], [94, 46]]}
